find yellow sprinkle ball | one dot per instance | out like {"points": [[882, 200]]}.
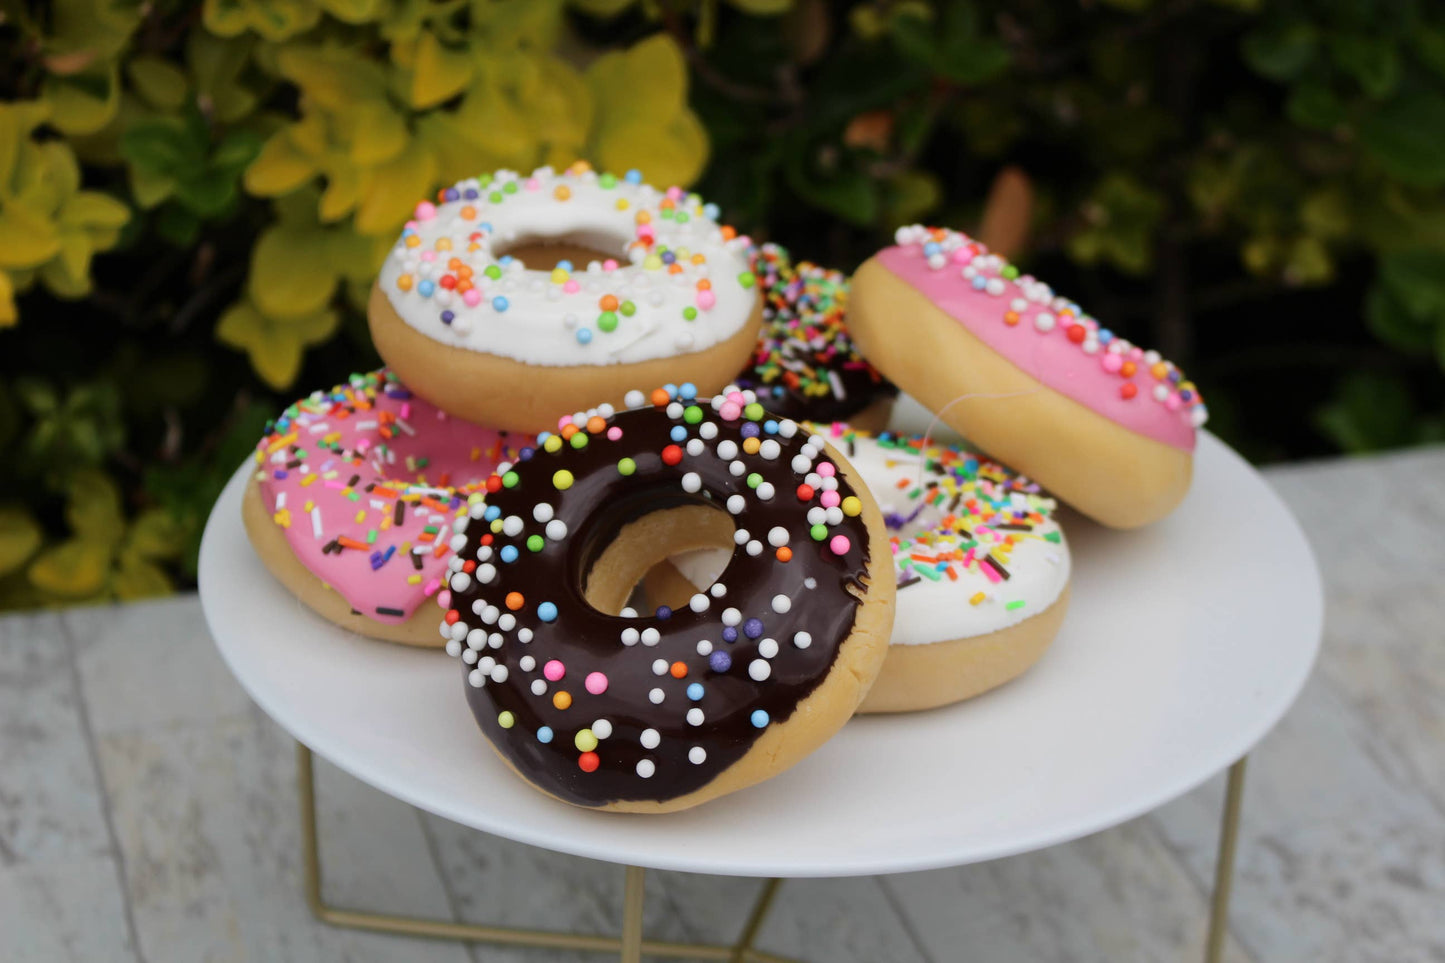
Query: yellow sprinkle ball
{"points": [[852, 506], [444, 244], [404, 281], [413, 241], [652, 262], [562, 193], [586, 740], [622, 204], [506, 720], [560, 275], [552, 445], [751, 445]]}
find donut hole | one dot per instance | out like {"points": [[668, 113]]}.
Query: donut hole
{"points": [[542, 252], [629, 566]]}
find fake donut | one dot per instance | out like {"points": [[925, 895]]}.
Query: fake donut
{"points": [[662, 711], [502, 340], [353, 499], [806, 366], [982, 568], [1107, 427], [981, 563]]}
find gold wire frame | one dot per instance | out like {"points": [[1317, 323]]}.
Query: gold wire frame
{"points": [[630, 946]]}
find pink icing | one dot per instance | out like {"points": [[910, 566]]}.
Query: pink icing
{"points": [[431, 461], [1163, 406]]}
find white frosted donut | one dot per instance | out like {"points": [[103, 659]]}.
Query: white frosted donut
{"points": [[670, 288], [981, 562]]}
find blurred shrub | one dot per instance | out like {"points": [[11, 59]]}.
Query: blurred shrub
{"points": [[194, 199]]}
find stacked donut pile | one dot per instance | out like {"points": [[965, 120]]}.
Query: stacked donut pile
{"points": [[624, 467]]}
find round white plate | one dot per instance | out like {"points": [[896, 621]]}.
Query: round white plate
{"points": [[1184, 644]]}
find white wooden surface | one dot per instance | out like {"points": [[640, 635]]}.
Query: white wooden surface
{"points": [[148, 811]]}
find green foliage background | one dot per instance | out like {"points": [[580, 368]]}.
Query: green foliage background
{"points": [[194, 199]]}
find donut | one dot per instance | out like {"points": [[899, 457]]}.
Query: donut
{"points": [[486, 307], [607, 708], [353, 498], [1028, 376], [981, 563], [806, 366]]}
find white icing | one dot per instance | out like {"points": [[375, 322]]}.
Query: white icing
{"points": [[936, 611], [552, 316]]}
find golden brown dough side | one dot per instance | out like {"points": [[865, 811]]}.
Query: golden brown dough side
{"points": [[918, 677], [502, 393], [1115, 476], [270, 544]]}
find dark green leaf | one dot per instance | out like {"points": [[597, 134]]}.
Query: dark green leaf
{"points": [[1371, 61], [161, 145], [1407, 138], [1281, 52], [1416, 281], [1393, 324], [1370, 412], [1314, 105]]}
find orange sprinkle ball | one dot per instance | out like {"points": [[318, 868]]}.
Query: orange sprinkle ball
{"points": [[596, 425], [704, 285], [608, 302], [678, 670], [785, 554], [515, 601], [562, 699], [660, 397], [568, 430], [562, 193]]}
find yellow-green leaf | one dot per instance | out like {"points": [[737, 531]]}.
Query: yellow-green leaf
{"points": [[18, 120], [73, 570], [274, 347], [390, 191], [149, 187], [343, 190], [289, 277], [439, 73], [92, 508], [378, 133], [335, 78], [216, 64], [136, 578], [27, 239], [279, 169], [94, 209], [155, 534], [9, 314], [669, 154], [352, 11], [159, 81], [649, 80], [19, 536], [83, 102]]}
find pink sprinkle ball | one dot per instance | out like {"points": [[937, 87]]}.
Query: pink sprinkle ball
{"points": [[532, 184], [830, 499], [571, 287], [472, 298], [596, 683], [839, 544], [1112, 361], [554, 670], [428, 255], [827, 470], [425, 211], [609, 265], [706, 299], [444, 598], [614, 433], [730, 411]]}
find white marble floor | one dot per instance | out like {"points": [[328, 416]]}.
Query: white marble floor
{"points": [[148, 810]]}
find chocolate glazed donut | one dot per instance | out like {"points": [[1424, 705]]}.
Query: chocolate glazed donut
{"points": [[646, 712]]}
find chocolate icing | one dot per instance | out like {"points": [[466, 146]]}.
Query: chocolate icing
{"points": [[594, 508]]}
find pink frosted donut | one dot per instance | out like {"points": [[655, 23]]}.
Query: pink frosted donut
{"points": [[1028, 376], [354, 499]]}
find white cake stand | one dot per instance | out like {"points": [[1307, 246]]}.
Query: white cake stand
{"points": [[1185, 643]]}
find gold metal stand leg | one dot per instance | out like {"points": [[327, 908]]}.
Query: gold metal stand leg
{"points": [[630, 946], [1224, 865]]}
